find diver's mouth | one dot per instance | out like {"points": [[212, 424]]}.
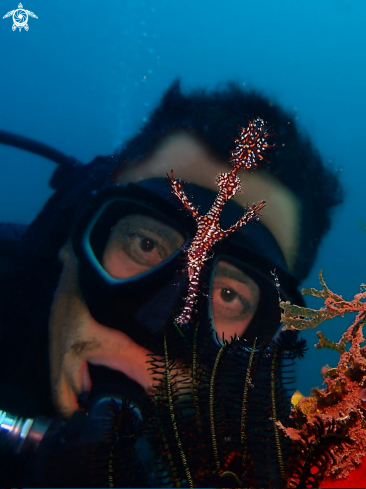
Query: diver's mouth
{"points": [[110, 382]]}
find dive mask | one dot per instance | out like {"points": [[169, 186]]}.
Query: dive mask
{"points": [[130, 242]]}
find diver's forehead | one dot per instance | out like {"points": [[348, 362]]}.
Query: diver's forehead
{"points": [[186, 155], [192, 162]]}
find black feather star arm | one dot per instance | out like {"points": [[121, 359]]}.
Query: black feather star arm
{"points": [[212, 419], [116, 461]]}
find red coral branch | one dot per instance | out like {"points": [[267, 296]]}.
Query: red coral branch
{"points": [[342, 403]]}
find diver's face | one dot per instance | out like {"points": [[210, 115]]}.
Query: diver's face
{"points": [[138, 243], [76, 339]]}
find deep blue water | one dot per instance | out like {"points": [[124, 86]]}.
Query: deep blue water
{"points": [[87, 73]]}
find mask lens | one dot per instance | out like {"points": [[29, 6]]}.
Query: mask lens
{"points": [[235, 298], [138, 243]]}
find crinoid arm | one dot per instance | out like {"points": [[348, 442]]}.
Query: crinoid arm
{"points": [[212, 419]]}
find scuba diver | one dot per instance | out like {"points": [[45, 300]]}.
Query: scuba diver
{"points": [[91, 288]]}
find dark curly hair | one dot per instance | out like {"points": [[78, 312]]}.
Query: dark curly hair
{"points": [[212, 116]]}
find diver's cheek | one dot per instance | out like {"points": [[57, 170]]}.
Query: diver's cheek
{"points": [[119, 352], [68, 319], [76, 338], [64, 398], [229, 329]]}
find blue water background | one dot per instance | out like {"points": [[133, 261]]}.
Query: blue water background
{"points": [[87, 73]]}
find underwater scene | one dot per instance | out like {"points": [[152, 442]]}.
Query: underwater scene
{"points": [[182, 241]]}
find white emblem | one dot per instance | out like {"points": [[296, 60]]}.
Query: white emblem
{"points": [[20, 17]]}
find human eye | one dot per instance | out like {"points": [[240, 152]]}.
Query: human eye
{"points": [[138, 243], [235, 298], [145, 247], [229, 299]]}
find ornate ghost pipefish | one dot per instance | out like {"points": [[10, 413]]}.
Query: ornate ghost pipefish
{"points": [[249, 147]]}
